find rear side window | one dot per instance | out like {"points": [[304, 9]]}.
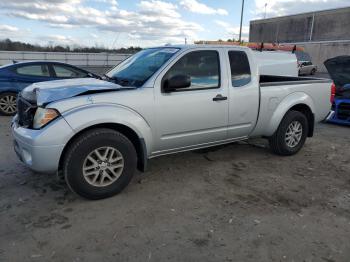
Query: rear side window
{"points": [[240, 68], [203, 68], [68, 72], [33, 70]]}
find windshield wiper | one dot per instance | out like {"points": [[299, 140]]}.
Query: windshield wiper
{"points": [[123, 81], [119, 81], [113, 78], [107, 77]]}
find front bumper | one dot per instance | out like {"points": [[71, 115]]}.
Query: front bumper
{"points": [[41, 150]]}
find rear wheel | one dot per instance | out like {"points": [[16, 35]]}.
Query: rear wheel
{"points": [[99, 164], [8, 105], [291, 134]]}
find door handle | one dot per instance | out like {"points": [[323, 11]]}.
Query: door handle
{"points": [[219, 97]]}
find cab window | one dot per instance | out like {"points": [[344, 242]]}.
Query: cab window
{"points": [[33, 70], [68, 72], [203, 67], [240, 68]]}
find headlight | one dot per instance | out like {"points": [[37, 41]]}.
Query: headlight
{"points": [[43, 116]]}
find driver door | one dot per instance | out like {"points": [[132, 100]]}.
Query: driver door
{"points": [[192, 116]]}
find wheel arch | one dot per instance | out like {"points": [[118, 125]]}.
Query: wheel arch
{"points": [[139, 143], [306, 110], [298, 101]]}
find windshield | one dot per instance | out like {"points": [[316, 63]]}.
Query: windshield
{"points": [[137, 69]]}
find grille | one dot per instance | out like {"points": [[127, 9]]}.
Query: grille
{"points": [[344, 111], [25, 111]]}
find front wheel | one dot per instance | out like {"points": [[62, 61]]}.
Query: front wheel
{"points": [[99, 164], [8, 105], [291, 134]]}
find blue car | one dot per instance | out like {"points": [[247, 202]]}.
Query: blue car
{"points": [[339, 70], [15, 77]]}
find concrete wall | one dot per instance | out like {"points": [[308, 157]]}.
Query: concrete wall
{"points": [[323, 34], [326, 25], [322, 51], [94, 62]]}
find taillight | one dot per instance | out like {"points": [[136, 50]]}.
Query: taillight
{"points": [[333, 89]]}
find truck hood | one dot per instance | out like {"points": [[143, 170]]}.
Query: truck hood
{"points": [[45, 92], [339, 70]]}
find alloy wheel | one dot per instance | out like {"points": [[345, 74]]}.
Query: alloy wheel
{"points": [[294, 134], [8, 104], [103, 166]]}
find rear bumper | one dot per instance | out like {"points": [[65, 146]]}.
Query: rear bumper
{"points": [[41, 150], [332, 118], [340, 113]]}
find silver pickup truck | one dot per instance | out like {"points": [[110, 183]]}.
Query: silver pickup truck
{"points": [[161, 101]]}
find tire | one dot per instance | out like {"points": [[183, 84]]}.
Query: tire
{"points": [[283, 144], [8, 106], [92, 182], [313, 71]]}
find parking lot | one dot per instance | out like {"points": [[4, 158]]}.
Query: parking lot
{"points": [[232, 203]]}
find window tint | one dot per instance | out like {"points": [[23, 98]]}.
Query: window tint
{"points": [[240, 68], [68, 72], [202, 66], [33, 70]]}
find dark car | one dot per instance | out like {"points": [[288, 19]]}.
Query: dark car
{"points": [[15, 77], [339, 70]]}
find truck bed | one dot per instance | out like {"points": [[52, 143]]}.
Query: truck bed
{"points": [[278, 93], [269, 80]]}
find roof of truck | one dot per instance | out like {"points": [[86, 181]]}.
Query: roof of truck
{"points": [[203, 45], [198, 46]]}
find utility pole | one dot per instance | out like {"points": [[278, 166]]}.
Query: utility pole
{"points": [[185, 40], [240, 27], [265, 11]]}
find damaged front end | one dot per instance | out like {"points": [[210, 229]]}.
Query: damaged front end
{"points": [[39, 95], [25, 112]]}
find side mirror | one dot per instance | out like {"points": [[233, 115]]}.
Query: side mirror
{"points": [[176, 82]]}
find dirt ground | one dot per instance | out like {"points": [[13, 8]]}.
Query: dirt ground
{"points": [[232, 203]]}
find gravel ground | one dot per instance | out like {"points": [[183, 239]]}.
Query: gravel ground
{"points": [[231, 203]]}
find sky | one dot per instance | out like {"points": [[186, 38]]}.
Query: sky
{"points": [[123, 23]]}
